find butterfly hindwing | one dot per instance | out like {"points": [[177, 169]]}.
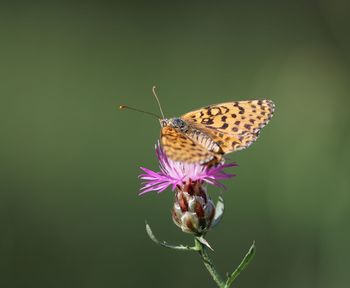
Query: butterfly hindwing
{"points": [[179, 147]]}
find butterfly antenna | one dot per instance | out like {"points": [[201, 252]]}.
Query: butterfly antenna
{"points": [[155, 95], [138, 110]]}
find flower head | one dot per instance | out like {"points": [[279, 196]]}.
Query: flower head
{"points": [[193, 210], [177, 174]]}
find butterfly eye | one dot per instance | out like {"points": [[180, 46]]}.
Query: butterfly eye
{"points": [[163, 122]]}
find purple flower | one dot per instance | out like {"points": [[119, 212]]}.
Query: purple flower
{"points": [[177, 174]]}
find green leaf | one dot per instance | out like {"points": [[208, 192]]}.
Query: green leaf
{"points": [[166, 245], [245, 262]]}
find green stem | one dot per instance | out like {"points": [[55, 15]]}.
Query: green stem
{"points": [[201, 245], [202, 249]]}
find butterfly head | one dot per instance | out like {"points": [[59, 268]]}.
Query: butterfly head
{"points": [[176, 123]]}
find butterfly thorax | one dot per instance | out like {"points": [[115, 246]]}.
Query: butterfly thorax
{"points": [[191, 132], [177, 123]]}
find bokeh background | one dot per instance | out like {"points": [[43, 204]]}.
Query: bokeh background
{"points": [[70, 215]]}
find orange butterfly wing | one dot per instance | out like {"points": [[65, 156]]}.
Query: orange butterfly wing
{"points": [[233, 125], [179, 147]]}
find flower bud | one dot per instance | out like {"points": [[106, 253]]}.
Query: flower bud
{"points": [[193, 209]]}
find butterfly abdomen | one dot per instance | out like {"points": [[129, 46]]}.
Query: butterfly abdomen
{"points": [[204, 140]]}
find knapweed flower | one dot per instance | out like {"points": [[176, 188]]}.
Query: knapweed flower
{"points": [[193, 210], [177, 174]]}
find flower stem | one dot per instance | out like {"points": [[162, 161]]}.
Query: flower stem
{"points": [[201, 245], [202, 249]]}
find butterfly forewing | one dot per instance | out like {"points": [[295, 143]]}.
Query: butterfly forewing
{"points": [[233, 125]]}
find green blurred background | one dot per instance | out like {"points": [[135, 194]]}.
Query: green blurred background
{"points": [[70, 213]]}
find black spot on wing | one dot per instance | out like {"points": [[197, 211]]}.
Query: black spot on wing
{"points": [[207, 121], [224, 126], [247, 126]]}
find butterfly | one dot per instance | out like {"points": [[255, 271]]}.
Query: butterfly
{"points": [[205, 135]]}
